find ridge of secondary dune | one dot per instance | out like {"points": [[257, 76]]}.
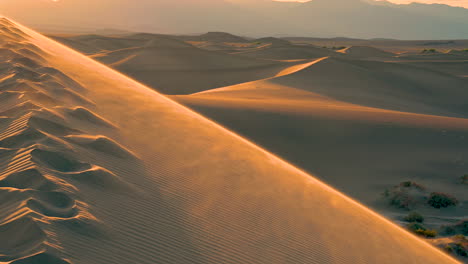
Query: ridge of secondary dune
{"points": [[381, 134], [161, 62], [193, 193], [299, 90], [374, 84]]}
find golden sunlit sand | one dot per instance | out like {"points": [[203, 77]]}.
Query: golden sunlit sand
{"points": [[97, 168]]}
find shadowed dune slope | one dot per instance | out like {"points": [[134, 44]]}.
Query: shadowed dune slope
{"points": [[345, 130], [162, 61], [457, 68], [364, 52], [375, 84], [91, 44], [278, 49], [181, 190]]}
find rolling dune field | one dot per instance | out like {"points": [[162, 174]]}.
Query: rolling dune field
{"points": [[98, 168]]}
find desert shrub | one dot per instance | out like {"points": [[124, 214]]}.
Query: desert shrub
{"points": [[429, 51], [460, 249], [426, 233], [441, 200], [412, 184], [459, 246], [405, 195], [416, 226], [448, 248], [421, 230], [414, 217], [402, 200], [464, 179]]}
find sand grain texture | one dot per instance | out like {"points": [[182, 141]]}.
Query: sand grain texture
{"points": [[146, 180]]}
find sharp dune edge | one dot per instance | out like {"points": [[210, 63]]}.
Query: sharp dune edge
{"points": [[96, 168]]}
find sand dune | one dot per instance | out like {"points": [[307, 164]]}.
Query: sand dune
{"points": [[219, 37], [186, 190], [162, 61], [454, 67], [381, 132], [91, 44], [374, 84], [278, 49], [366, 52]]}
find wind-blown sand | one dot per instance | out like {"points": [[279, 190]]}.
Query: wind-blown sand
{"points": [[96, 168], [369, 128]]}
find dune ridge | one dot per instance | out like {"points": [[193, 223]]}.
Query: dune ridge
{"points": [[40, 168], [204, 194]]}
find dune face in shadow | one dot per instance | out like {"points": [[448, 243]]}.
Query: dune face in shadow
{"points": [[133, 177], [398, 118], [160, 60], [24, 235]]}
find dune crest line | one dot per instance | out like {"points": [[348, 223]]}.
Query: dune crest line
{"points": [[73, 143]]}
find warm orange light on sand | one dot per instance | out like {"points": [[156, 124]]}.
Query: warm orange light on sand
{"points": [[204, 194]]}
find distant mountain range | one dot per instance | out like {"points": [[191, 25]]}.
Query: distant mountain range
{"points": [[256, 18]]}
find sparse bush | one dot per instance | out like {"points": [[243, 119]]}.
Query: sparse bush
{"points": [[459, 246], [448, 248], [429, 51], [421, 230], [416, 226], [460, 249], [464, 179], [441, 200], [412, 184], [402, 200], [414, 217], [405, 195], [426, 233]]}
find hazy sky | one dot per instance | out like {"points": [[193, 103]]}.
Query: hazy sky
{"points": [[463, 3]]}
